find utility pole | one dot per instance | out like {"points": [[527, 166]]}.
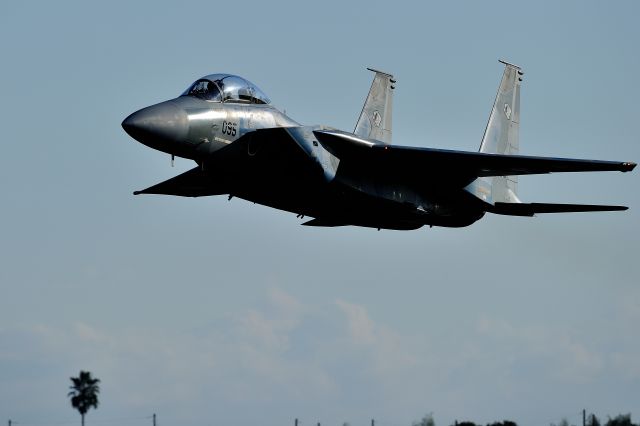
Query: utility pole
{"points": [[154, 419], [584, 417], [296, 422], [373, 423], [9, 422]]}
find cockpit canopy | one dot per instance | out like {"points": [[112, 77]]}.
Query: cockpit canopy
{"points": [[226, 88]]}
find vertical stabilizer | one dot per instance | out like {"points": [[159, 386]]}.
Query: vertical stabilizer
{"points": [[501, 134], [375, 119]]}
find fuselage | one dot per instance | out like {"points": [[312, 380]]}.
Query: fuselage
{"points": [[247, 148], [197, 125], [193, 128]]}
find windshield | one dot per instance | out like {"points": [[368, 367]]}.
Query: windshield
{"points": [[204, 89], [235, 89], [226, 88]]}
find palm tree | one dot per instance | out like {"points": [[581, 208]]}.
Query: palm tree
{"points": [[84, 393]]}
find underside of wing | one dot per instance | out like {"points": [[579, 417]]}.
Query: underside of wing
{"points": [[262, 155], [531, 209], [414, 162], [193, 183]]}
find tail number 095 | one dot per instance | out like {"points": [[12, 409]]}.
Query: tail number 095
{"points": [[229, 128]]}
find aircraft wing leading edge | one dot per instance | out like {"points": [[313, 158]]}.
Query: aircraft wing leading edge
{"points": [[433, 162]]}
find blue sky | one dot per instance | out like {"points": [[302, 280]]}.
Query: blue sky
{"points": [[206, 311]]}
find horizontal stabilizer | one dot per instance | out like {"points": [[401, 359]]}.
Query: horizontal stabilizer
{"points": [[324, 223], [193, 183], [530, 209]]}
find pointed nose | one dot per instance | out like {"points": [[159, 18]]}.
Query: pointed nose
{"points": [[158, 125]]}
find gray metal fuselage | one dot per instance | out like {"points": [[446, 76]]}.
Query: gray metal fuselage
{"points": [[196, 129], [193, 128], [246, 148]]}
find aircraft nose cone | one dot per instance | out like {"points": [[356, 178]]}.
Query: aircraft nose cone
{"points": [[158, 124]]}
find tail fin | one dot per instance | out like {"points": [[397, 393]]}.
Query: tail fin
{"points": [[375, 118], [501, 134]]}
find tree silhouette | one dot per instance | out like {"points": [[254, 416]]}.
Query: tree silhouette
{"points": [[592, 420], [620, 420], [84, 393], [503, 423], [427, 420], [563, 422]]}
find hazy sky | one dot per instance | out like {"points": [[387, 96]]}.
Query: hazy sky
{"points": [[209, 312]]}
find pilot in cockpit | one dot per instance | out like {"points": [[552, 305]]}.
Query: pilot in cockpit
{"points": [[226, 88]]}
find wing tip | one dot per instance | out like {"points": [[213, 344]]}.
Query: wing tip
{"points": [[628, 166]]}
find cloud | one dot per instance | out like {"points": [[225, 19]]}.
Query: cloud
{"points": [[387, 354], [263, 355], [273, 326], [268, 332], [87, 333], [566, 357], [361, 327], [283, 352], [285, 303]]}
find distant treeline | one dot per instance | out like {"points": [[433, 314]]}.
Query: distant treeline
{"points": [[591, 420]]}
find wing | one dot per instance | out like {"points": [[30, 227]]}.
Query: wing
{"points": [[272, 154], [193, 183], [426, 162]]}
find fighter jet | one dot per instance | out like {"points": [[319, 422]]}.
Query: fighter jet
{"points": [[244, 147]]}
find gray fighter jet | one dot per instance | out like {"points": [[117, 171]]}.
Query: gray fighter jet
{"points": [[246, 148]]}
